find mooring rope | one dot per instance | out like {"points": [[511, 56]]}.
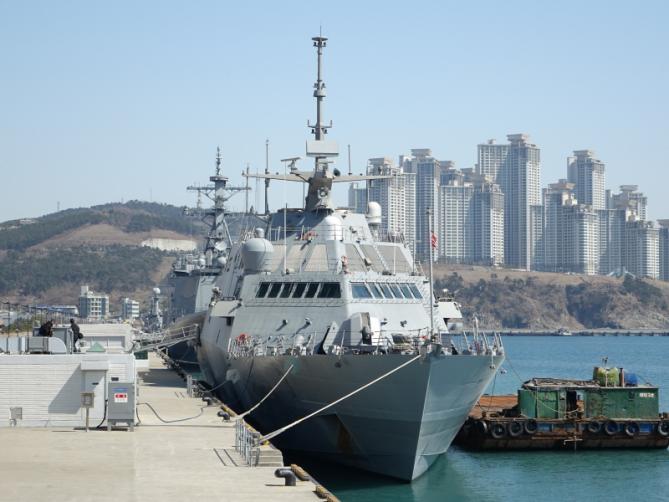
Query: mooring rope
{"points": [[239, 417], [283, 429]]}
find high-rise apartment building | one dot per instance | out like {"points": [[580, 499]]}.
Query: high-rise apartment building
{"points": [[641, 249], [630, 199], [558, 200], [584, 233], [571, 232], [611, 238], [427, 175], [515, 167], [455, 221], [396, 196], [471, 220], [588, 176], [520, 183], [491, 159], [357, 198], [487, 223], [663, 249]]}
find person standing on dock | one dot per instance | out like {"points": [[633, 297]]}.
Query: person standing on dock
{"points": [[46, 329], [76, 334]]}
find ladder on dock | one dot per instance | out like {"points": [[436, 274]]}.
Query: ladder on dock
{"points": [[165, 338]]}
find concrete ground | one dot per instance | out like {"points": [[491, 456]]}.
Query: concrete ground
{"points": [[157, 462]]}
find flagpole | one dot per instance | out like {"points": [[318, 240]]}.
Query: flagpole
{"points": [[429, 236]]}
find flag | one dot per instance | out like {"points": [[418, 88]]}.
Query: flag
{"points": [[433, 240]]}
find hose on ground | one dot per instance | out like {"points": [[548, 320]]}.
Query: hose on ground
{"points": [[172, 421]]}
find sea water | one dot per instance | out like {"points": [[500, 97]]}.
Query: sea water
{"points": [[459, 475]]}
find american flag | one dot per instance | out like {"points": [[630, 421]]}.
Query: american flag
{"points": [[433, 240]]}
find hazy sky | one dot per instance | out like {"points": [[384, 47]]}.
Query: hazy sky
{"points": [[113, 101]]}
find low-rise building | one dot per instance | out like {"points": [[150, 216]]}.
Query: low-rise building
{"points": [[93, 306]]}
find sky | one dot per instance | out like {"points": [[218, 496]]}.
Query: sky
{"points": [[112, 101]]}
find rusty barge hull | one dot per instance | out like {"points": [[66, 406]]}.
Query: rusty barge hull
{"points": [[494, 424], [561, 436]]}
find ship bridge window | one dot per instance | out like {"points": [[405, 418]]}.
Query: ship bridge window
{"points": [[287, 289], [262, 290], [311, 290], [299, 289], [415, 291], [274, 290], [376, 290], [386, 290], [395, 289], [330, 290], [405, 291], [360, 290]]}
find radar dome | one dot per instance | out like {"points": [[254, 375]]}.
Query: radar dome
{"points": [[374, 213], [156, 291], [332, 228], [257, 255]]}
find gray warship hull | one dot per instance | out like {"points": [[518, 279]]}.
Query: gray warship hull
{"points": [[396, 427]]}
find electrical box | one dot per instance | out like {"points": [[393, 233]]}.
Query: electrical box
{"points": [[87, 399], [121, 404]]}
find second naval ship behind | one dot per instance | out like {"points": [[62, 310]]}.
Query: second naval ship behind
{"points": [[321, 313]]}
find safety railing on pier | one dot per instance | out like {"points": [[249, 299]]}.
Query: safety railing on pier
{"points": [[247, 443]]}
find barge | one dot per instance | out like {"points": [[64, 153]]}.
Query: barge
{"points": [[613, 410]]}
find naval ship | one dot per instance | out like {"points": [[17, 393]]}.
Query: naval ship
{"points": [[193, 274], [320, 309]]}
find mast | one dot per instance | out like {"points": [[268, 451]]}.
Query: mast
{"points": [[219, 193], [319, 130], [267, 179], [246, 195], [429, 236], [319, 181]]}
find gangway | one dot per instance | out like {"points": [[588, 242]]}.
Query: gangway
{"points": [[165, 338]]}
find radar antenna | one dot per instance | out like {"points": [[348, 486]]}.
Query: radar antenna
{"points": [[319, 129]]}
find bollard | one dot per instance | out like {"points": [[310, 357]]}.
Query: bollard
{"points": [[287, 474]]}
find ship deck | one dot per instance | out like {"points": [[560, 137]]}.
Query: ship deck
{"points": [[492, 404]]}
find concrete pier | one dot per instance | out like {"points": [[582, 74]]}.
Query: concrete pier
{"points": [[189, 460]]}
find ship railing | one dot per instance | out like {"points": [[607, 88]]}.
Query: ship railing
{"points": [[247, 443], [165, 338], [407, 342], [345, 232]]}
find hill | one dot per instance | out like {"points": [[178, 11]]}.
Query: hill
{"points": [[504, 298], [133, 222], [47, 259]]}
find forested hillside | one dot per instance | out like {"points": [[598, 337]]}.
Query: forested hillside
{"points": [[41, 261], [133, 216]]}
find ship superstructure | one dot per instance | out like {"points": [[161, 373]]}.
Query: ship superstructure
{"points": [[321, 309], [194, 274]]}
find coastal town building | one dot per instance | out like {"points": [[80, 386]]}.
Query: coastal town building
{"points": [[93, 306]]}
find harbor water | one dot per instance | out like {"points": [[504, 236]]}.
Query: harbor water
{"points": [[460, 475]]}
